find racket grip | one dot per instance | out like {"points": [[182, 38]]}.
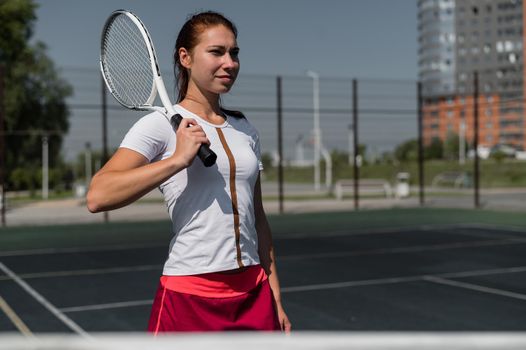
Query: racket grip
{"points": [[207, 156]]}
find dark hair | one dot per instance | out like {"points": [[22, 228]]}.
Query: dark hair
{"points": [[188, 38]]}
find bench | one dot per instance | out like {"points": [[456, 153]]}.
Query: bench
{"points": [[452, 178], [365, 186]]}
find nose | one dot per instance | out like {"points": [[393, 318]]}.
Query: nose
{"points": [[230, 62]]}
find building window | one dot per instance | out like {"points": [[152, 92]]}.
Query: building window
{"points": [[487, 48]]}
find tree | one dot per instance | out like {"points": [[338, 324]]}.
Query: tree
{"points": [[435, 150], [407, 151], [451, 146], [34, 93]]}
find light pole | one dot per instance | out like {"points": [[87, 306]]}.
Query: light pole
{"points": [[45, 167], [87, 164], [462, 142], [317, 134]]}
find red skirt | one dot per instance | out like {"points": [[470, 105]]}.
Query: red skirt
{"points": [[214, 302]]}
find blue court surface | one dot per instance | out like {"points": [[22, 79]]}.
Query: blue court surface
{"points": [[385, 270]]}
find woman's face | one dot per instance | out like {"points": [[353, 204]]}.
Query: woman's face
{"points": [[213, 63]]}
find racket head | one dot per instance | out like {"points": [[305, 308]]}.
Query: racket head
{"points": [[127, 61]]}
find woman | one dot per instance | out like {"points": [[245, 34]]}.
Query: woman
{"points": [[220, 273]]}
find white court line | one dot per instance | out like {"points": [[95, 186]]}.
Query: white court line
{"points": [[422, 248], [317, 287], [378, 281], [336, 285], [475, 287], [321, 235], [69, 273], [51, 308], [412, 249], [474, 273], [48, 251], [402, 229], [341, 233], [15, 319], [486, 234], [509, 228], [107, 306]]}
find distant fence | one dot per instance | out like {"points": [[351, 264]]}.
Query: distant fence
{"points": [[314, 131]]}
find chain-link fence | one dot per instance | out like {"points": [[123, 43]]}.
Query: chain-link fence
{"points": [[345, 143]]}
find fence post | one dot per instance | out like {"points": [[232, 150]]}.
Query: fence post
{"points": [[280, 144], [356, 170], [3, 167], [476, 136], [420, 144], [104, 106], [45, 166]]}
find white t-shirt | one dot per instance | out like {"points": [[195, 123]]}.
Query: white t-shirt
{"points": [[212, 209]]}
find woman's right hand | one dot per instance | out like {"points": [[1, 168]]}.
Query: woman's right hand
{"points": [[190, 136]]}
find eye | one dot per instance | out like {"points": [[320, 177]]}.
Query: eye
{"points": [[216, 52], [234, 53]]}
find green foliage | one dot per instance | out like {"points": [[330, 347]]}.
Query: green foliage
{"points": [[435, 150], [266, 159], [407, 151], [34, 94], [451, 146], [499, 156]]}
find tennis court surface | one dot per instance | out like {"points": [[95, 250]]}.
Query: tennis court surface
{"points": [[379, 270]]}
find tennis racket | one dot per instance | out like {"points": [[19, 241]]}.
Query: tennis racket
{"points": [[129, 66]]}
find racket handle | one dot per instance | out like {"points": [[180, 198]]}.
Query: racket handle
{"points": [[207, 156]]}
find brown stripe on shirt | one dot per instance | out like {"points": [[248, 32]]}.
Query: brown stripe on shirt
{"points": [[233, 193]]}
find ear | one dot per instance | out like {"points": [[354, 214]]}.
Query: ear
{"points": [[185, 58]]}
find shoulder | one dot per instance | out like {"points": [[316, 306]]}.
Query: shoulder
{"points": [[233, 113], [153, 120], [154, 125], [149, 136], [245, 124]]}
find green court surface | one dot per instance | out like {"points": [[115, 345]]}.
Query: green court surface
{"points": [[62, 236], [373, 270]]}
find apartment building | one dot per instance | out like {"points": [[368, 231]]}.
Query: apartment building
{"points": [[456, 39]]}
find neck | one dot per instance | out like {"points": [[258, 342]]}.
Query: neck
{"points": [[205, 105]]}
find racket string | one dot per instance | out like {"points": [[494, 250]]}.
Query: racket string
{"points": [[127, 63]]}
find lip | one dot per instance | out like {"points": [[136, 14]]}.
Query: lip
{"points": [[225, 77]]}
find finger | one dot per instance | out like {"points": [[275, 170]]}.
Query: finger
{"points": [[186, 122], [201, 140]]}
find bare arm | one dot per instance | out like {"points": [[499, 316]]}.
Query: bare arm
{"points": [[266, 255], [128, 175]]}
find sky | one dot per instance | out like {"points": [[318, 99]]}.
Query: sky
{"points": [[364, 39], [353, 38]]}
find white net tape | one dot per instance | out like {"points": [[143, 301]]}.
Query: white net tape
{"points": [[126, 62], [276, 341]]}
